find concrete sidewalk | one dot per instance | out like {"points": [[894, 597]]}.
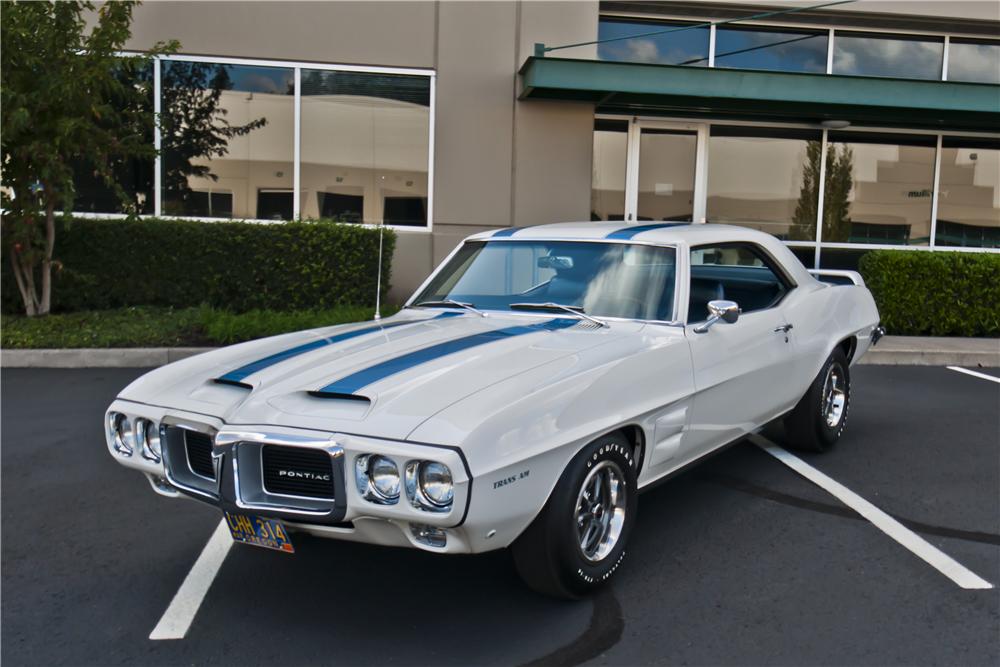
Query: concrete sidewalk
{"points": [[891, 350]]}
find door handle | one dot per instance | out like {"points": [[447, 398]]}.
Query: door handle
{"points": [[785, 328]]}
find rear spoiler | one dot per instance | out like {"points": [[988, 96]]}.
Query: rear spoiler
{"points": [[836, 277]]}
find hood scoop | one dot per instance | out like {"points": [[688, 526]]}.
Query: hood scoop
{"points": [[340, 396], [233, 383]]}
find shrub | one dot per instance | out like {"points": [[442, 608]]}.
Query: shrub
{"points": [[224, 327], [150, 326], [238, 266], [935, 293]]}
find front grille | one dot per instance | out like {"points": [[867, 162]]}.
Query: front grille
{"points": [[297, 471], [199, 453]]}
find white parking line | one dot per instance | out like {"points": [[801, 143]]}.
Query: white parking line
{"points": [[936, 558], [177, 618], [974, 374]]}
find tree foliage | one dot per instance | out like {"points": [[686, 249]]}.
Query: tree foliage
{"points": [[68, 99]]}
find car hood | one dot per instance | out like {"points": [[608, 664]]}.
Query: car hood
{"points": [[377, 379]]}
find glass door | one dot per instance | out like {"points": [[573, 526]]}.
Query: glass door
{"points": [[666, 172]]}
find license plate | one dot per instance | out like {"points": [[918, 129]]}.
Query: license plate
{"points": [[259, 532]]}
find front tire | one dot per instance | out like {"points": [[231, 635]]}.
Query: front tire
{"points": [[819, 419], [577, 542]]}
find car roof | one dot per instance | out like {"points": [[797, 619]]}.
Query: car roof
{"points": [[665, 233]]}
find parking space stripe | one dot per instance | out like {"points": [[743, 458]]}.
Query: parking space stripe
{"points": [[974, 374], [924, 550], [177, 618]]}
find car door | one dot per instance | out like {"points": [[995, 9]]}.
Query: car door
{"points": [[741, 370]]}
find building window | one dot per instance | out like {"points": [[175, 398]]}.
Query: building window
{"points": [[780, 198], [274, 204], [686, 47], [607, 185], [974, 60], [779, 49], [343, 208], [969, 193], [878, 188], [902, 56], [134, 176], [230, 126], [211, 203], [406, 211], [365, 141]]}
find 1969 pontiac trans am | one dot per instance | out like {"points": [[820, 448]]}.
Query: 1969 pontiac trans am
{"points": [[533, 385]]}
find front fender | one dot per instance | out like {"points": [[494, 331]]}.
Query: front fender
{"points": [[520, 434]]}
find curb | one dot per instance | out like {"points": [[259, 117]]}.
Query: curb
{"points": [[891, 351], [140, 357]]}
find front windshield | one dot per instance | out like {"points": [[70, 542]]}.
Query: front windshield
{"points": [[604, 279]]}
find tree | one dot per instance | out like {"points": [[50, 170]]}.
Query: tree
{"points": [[836, 194], [68, 97]]}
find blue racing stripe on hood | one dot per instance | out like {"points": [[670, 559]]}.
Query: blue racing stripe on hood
{"points": [[630, 232], [242, 372], [363, 378]]}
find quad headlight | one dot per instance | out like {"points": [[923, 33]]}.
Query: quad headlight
{"points": [[148, 433], [429, 486], [121, 433], [377, 478]]}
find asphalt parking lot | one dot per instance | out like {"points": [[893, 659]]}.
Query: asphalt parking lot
{"points": [[739, 561]]}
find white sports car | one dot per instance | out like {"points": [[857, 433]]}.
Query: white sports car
{"points": [[537, 381]]}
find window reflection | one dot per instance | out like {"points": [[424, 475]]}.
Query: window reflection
{"points": [[969, 193], [974, 60], [365, 147], [783, 50], [135, 176], [684, 47], [765, 178], [666, 175], [607, 185], [227, 140], [865, 54], [878, 188]]}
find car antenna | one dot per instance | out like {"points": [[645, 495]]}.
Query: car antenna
{"points": [[378, 279]]}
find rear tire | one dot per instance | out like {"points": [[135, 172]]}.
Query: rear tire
{"points": [[578, 540], [819, 419]]}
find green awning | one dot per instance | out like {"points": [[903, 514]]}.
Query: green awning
{"points": [[638, 88]]}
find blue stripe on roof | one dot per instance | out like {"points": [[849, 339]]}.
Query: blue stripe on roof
{"points": [[631, 231], [244, 371], [509, 231], [352, 383]]}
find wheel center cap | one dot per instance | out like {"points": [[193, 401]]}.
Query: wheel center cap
{"points": [[597, 511]]}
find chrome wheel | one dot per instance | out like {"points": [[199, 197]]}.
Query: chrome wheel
{"points": [[834, 395], [600, 510]]}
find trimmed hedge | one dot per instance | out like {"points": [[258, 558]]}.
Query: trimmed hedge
{"points": [[152, 326], [935, 293], [238, 266]]}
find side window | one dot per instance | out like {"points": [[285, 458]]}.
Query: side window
{"points": [[735, 272]]}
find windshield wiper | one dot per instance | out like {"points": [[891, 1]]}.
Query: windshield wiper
{"points": [[451, 303], [573, 310]]}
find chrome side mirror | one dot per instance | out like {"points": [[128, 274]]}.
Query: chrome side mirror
{"points": [[727, 311]]}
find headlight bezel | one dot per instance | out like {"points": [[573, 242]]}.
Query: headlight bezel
{"points": [[417, 493], [149, 447], [121, 430], [364, 467]]}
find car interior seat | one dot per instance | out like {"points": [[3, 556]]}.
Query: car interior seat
{"points": [[703, 290]]}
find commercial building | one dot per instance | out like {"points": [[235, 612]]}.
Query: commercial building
{"points": [[838, 128]]}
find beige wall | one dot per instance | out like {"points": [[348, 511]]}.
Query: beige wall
{"points": [[498, 162]]}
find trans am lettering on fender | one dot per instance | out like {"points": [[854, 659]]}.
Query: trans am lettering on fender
{"points": [[601, 357]]}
